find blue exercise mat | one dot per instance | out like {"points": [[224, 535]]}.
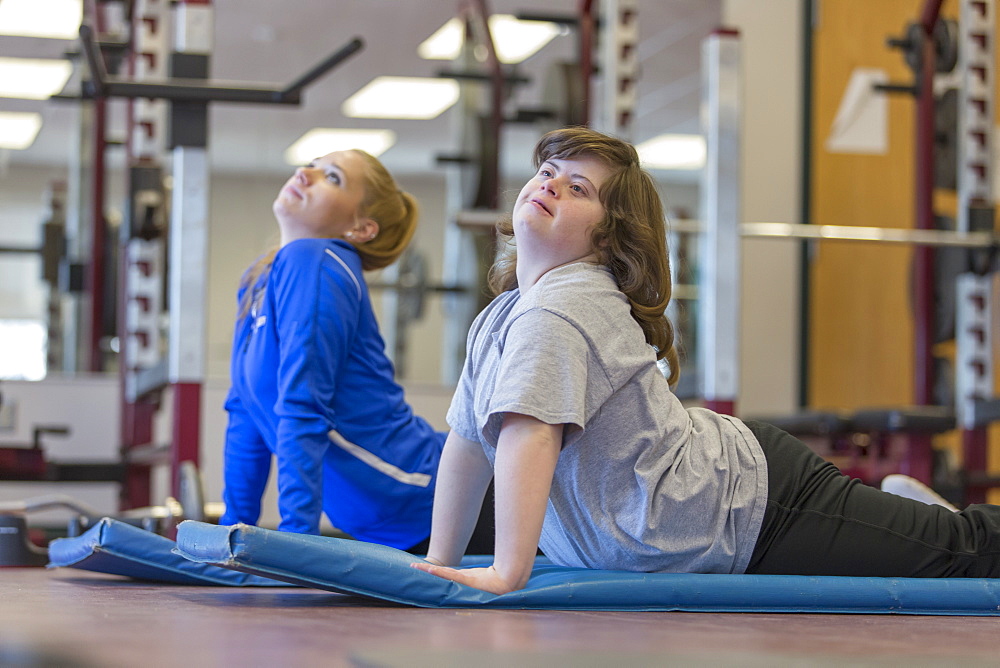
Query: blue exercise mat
{"points": [[118, 548], [385, 573]]}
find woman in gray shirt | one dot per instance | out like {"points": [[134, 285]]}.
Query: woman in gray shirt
{"points": [[597, 462]]}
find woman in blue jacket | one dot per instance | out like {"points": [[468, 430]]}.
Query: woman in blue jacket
{"points": [[311, 384]]}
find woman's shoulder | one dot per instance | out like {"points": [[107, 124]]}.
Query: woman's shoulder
{"points": [[315, 249], [495, 313], [583, 295], [575, 273], [581, 281], [310, 256]]}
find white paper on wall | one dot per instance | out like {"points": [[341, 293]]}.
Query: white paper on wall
{"points": [[862, 121]]}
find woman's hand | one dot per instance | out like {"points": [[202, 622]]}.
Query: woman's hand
{"points": [[486, 579], [527, 452]]}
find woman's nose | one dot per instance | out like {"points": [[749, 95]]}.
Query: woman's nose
{"points": [[550, 184]]}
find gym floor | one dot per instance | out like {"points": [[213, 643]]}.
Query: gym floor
{"points": [[66, 617]]}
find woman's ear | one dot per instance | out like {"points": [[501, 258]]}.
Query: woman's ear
{"points": [[365, 229], [600, 239]]}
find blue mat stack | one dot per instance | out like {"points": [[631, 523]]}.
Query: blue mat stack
{"points": [[241, 555]]}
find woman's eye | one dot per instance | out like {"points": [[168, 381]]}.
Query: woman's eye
{"points": [[545, 172], [333, 177]]}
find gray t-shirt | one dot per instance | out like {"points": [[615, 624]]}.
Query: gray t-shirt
{"points": [[642, 484]]}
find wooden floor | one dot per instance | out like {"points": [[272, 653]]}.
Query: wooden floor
{"points": [[66, 617]]}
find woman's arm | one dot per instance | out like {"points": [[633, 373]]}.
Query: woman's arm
{"points": [[527, 452], [463, 476], [315, 311], [246, 465]]}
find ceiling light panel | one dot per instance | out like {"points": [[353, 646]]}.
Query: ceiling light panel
{"points": [[402, 97], [56, 19], [682, 152], [320, 141], [19, 129], [514, 39], [33, 78]]}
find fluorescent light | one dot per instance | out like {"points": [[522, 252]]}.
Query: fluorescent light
{"points": [[57, 19], [402, 97], [18, 129], [673, 152], [444, 44], [514, 40], [320, 141], [33, 78]]}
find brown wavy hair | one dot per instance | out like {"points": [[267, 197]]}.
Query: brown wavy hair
{"points": [[395, 210], [630, 239]]}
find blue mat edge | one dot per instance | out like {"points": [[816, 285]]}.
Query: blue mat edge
{"points": [[259, 551], [114, 547]]}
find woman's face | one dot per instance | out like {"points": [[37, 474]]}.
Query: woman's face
{"points": [[557, 209], [322, 199]]}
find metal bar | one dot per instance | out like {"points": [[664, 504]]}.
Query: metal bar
{"points": [[806, 172], [85, 472], [561, 19], [188, 269], [975, 295], [148, 57], [187, 91], [478, 12], [48, 502], [618, 63], [198, 90], [468, 75], [398, 287], [906, 89], [149, 380], [496, 101], [586, 38], [148, 454], [985, 412], [889, 235], [684, 226], [719, 247], [477, 218], [871, 234], [186, 432], [188, 249], [929, 15], [194, 90], [923, 274], [98, 72], [21, 249], [96, 274], [295, 88], [70, 472], [973, 368]]}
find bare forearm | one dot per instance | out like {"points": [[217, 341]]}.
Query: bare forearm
{"points": [[463, 477], [527, 453]]}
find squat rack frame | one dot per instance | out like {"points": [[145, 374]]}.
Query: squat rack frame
{"points": [[190, 91]]}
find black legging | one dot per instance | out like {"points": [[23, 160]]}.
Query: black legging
{"points": [[482, 538], [820, 522]]}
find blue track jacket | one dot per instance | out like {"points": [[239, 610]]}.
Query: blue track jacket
{"points": [[311, 385]]}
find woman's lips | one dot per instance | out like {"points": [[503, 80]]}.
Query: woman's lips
{"points": [[539, 203]]}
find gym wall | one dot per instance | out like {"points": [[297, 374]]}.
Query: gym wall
{"points": [[861, 327]]}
